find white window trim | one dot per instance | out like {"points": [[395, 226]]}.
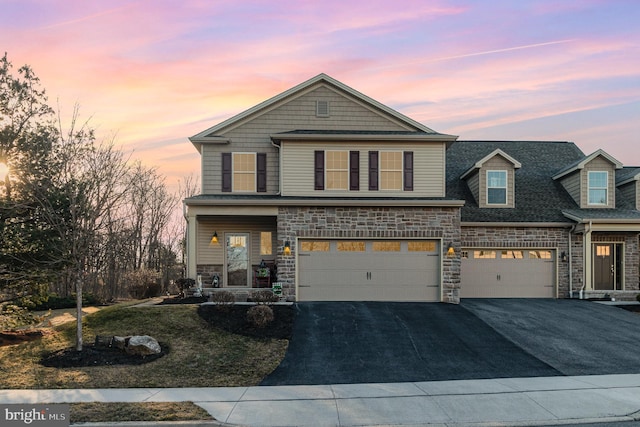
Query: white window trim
{"points": [[254, 173], [506, 187], [589, 188], [326, 170], [380, 170]]}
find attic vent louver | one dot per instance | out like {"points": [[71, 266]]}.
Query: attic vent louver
{"points": [[322, 108]]}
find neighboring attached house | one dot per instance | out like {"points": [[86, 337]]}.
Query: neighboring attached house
{"points": [[352, 201]]}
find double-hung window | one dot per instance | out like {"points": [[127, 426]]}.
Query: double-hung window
{"points": [[244, 172], [391, 170], [598, 187], [337, 170], [496, 187]]}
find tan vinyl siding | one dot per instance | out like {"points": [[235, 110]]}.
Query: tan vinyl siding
{"points": [[214, 254], [497, 163], [629, 191], [253, 135], [597, 164], [571, 183], [473, 182], [429, 172]]}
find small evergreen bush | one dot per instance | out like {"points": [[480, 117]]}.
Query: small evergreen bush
{"points": [[264, 297], [260, 315]]}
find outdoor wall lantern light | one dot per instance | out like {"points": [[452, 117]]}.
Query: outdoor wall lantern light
{"points": [[563, 257], [287, 248], [214, 239], [450, 251]]}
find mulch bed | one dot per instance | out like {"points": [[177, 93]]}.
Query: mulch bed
{"points": [[17, 337], [233, 318], [96, 356]]}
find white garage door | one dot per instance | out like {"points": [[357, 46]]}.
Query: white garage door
{"points": [[368, 270], [507, 273]]}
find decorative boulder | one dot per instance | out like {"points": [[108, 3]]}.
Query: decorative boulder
{"points": [[143, 345], [119, 342]]}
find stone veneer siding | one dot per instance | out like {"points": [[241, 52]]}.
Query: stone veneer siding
{"points": [[370, 222], [522, 238]]}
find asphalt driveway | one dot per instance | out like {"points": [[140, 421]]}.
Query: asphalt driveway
{"points": [[372, 342]]}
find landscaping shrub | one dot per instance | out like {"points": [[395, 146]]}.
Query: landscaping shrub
{"points": [[13, 316], [264, 297], [638, 297], [260, 315], [223, 299]]}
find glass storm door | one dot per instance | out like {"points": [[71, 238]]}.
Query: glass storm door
{"points": [[237, 256]]}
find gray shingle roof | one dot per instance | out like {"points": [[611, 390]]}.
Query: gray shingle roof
{"points": [[538, 198]]}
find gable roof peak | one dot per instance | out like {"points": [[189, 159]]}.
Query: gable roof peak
{"points": [[300, 89], [497, 152], [580, 164]]}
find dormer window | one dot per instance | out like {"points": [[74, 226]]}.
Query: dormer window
{"points": [[598, 187], [496, 187]]}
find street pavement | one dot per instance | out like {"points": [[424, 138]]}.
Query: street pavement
{"points": [[503, 402]]}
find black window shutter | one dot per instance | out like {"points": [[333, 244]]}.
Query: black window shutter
{"points": [[318, 170], [373, 170], [408, 171], [226, 172], [261, 169], [354, 170]]}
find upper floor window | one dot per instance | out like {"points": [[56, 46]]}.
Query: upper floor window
{"points": [[337, 170], [391, 170], [244, 172], [496, 187], [598, 187]]}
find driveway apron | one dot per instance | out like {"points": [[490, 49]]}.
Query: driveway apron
{"points": [[576, 337], [378, 342]]}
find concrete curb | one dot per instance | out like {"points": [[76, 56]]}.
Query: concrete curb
{"points": [[200, 423]]}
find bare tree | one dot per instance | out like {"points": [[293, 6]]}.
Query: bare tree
{"points": [[89, 180]]}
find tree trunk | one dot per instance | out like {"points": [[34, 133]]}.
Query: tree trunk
{"points": [[78, 314]]}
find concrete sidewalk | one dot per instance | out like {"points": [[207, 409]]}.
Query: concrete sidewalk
{"points": [[504, 401]]}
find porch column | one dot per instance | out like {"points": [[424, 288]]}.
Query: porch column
{"points": [[588, 259], [192, 239]]}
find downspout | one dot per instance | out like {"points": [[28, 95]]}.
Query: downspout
{"points": [[279, 167], [573, 228], [587, 260]]}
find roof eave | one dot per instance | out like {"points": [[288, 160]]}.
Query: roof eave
{"points": [[431, 137], [324, 202]]}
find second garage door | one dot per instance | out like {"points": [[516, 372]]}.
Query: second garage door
{"points": [[507, 273], [368, 270]]}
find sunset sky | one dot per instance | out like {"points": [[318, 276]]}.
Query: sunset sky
{"points": [[155, 72]]}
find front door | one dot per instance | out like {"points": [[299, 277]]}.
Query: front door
{"points": [[607, 264], [237, 259]]}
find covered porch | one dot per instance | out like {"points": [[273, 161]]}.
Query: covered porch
{"points": [[232, 248]]}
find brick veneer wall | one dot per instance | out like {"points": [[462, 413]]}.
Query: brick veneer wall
{"points": [[370, 222], [524, 237]]}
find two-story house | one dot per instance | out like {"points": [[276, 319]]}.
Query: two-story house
{"points": [[352, 200]]}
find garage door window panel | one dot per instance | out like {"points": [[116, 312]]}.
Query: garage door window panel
{"points": [[512, 255], [484, 254], [421, 246], [539, 254], [348, 246], [315, 246], [386, 246]]}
